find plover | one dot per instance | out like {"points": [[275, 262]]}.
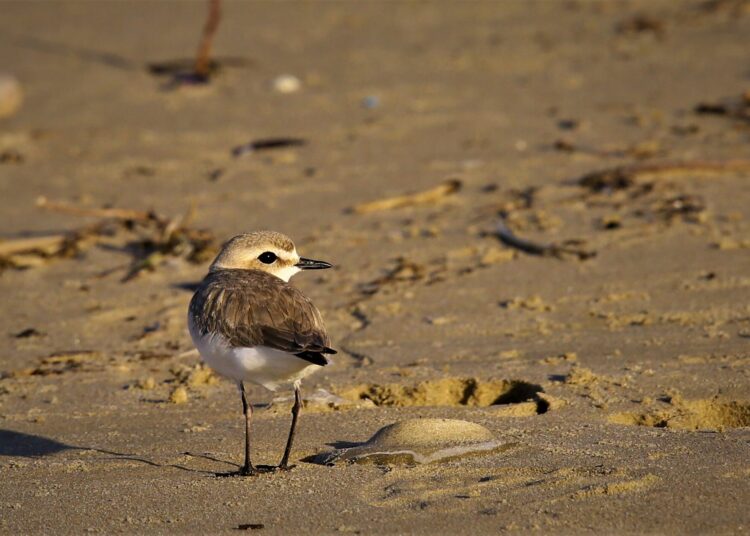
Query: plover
{"points": [[250, 325]]}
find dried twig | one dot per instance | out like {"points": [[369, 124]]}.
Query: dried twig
{"points": [[621, 177], [508, 238], [46, 245], [419, 198], [202, 71], [107, 213], [29, 251]]}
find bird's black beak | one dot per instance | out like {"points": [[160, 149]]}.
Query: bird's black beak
{"points": [[309, 264]]}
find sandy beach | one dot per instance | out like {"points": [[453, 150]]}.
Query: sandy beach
{"points": [[539, 218]]}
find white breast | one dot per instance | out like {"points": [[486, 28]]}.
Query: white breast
{"points": [[258, 364]]}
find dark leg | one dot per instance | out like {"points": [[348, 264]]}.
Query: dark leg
{"points": [[247, 411], [295, 412]]}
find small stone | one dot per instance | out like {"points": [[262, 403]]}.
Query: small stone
{"points": [[146, 384], [286, 83], [439, 320], [179, 395], [11, 95], [370, 102]]}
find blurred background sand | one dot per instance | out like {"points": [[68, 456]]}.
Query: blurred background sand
{"points": [[615, 367]]}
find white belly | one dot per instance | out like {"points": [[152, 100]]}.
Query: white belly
{"points": [[258, 364]]}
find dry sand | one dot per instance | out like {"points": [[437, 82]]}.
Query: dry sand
{"points": [[622, 379]]}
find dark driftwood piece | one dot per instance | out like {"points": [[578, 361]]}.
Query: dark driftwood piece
{"points": [[508, 238]]}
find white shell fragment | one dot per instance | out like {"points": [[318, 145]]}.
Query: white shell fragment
{"points": [[420, 441], [11, 95], [286, 83]]}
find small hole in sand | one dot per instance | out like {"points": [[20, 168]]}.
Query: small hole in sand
{"points": [[701, 414], [451, 392]]}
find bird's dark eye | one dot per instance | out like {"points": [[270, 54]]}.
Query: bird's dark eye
{"points": [[267, 257]]}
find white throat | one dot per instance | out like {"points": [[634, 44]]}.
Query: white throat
{"points": [[286, 273]]}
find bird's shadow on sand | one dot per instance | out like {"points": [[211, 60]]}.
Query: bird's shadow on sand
{"points": [[19, 444]]}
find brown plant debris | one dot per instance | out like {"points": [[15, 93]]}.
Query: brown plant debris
{"points": [[641, 23], [43, 245], [432, 195], [60, 363], [158, 237], [623, 177], [687, 207], [11, 157], [28, 252]]}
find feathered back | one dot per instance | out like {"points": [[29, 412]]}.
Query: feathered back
{"points": [[254, 308]]}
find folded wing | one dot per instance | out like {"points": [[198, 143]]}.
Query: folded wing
{"points": [[253, 308]]}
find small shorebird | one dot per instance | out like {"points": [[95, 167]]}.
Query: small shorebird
{"points": [[250, 325]]}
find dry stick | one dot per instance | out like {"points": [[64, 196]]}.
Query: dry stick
{"points": [[47, 245], [545, 250], [418, 198], [202, 69], [624, 176], [108, 213]]}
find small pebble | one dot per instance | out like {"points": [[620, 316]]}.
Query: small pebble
{"points": [[11, 95], [370, 102], [286, 83], [179, 395]]}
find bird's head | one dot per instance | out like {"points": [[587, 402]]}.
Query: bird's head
{"points": [[267, 251]]}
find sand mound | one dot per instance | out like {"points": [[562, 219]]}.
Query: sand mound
{"points": [[450, 392], [701, 414], [417, 441]]}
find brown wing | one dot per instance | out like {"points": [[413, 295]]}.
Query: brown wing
{"points": [[251, 308]]}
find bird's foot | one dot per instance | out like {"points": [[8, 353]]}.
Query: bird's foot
{"points": [[248, 471], [244, 471], [256, 470]]}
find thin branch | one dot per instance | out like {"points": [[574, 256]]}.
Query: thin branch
{"points": [[48, 245], [107, 213], [202, 71]]}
